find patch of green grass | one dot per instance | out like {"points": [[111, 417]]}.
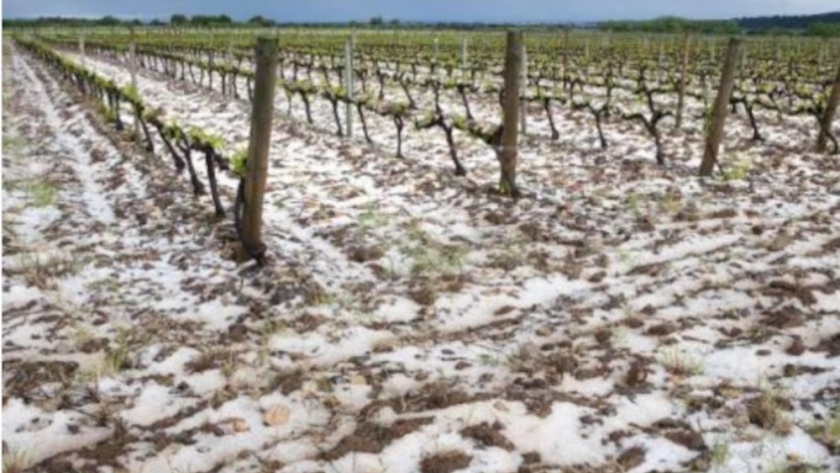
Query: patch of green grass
{"points": [[719, 454], [16, 461], [680, 363], [625, 256], [12, 143], [738, 170], [633, 203], [370, 219], [109, 284], [768, 410], [81, 335], [670, 204], [40, 193], [429, 256], [436, 259], [38, 270], [487, 359], [120, 350], [828, 431]]}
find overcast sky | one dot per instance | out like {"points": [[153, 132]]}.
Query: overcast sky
{"points": [[419, 10]]}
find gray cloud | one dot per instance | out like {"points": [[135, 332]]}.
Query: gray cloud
{"points": [[422, 10]]}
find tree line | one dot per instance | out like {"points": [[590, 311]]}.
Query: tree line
{"points": [[825, 25], [109, 20]]}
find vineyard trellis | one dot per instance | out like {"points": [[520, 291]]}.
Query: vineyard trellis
{"points": [[627, 81]]}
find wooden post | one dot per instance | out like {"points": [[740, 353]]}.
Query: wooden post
{"points": [[828, 114], [464, 56], [82, 48], [348, 83], [436, 50], [262, 112], [821, 59], [721, 108], [661, 61], [211, 61], [279, 67], [132, 58], [565, 54], [682, 80], [523, 88], [507, 152]]}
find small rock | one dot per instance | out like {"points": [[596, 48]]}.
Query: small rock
{"points": [[501, 406], [544, 331], [277, 416], [239, 425], [603, 336], [688, 439], [633, 322], [462, 365], [781, 241], [358, 380], [529, 458], [631, 458], [237, 332], [663, 329], [598, 277], [797, 348], [362, 254]]}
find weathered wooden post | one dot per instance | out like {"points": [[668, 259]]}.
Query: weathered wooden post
{"points": [[279, 66], [211, 57], [132, 67], [82, 48], [256, 169], [566, 51], [507, 152], [721, 108], [348, 83], [661, 61], [828, 114], [682, 80], [523, 89], [822, 54], [464, 56]]}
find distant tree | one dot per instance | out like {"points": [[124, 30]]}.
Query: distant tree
{"points": [[377, 21], [394, 22], [794, 22], [825, 30], [210, 20], [671, 24], [109, 20], [777, 31], [178, 19], [261, 21]]}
